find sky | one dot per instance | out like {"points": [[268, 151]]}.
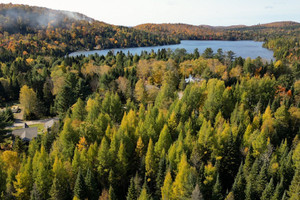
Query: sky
{"points": [[196, 12]]}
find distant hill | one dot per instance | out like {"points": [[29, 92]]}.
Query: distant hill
{"points": [[234, 32], [52, 32]]}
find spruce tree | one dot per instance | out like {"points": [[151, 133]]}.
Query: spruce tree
{"points": [[131, 195], [3, 124], [79, 111], [150, 163], [294, 189], [278, 191], [267, 193], [112, 195], [262, 179], [217, 190], [239, 185], [164, 141], [91, 186], [160, 175], [80, 188], [166, 190]]}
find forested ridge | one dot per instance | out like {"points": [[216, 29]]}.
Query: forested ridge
{"points": [[260, 32], [131, 127]]}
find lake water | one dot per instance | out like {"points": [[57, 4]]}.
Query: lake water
{"points": [[245, 48]]}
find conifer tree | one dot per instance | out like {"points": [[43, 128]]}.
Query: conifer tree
{"points": [[68, 138], [262, 179], [103, 159], [267, 193], [131, 195], [160, 175], [144, 195], [79, 111], [217, 190], [24, 181], [239, 185], [150, 163], [164, 141], [111, 192], [182, 186], [80, 188], [278, 190], [251, 191], [166, 190], [91, 185], [294, 189]]}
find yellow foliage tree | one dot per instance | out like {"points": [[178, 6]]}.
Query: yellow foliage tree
{"points": [[29, 101]]}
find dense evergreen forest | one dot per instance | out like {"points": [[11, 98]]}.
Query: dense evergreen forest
{"points": [[131, 127]]}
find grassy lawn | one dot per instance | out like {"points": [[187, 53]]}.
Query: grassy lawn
{"points": [[39, 126]]}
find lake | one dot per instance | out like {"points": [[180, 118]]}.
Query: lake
{"points": [[244, 48]]}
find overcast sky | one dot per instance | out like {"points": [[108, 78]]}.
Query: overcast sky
{"points": [[197, 12]]}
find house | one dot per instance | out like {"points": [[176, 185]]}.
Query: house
{"points": [[26, 134], [192, 79], [50, 123]]}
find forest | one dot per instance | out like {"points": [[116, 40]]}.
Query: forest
{"points": [[131, 127]]}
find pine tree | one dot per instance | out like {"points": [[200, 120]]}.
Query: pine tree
{"points": [[80, 188], [122, 160], [43, 177], [144, 195], [267, 193], [79, 111], [150, 163], [217, 190], [24, 181], [278, 191], [239, 185], [111, 192], [182, 186], [294, 189], [262, 179], [229, 163], [67, 95], [3, 123], [55, 189], [68, 138], [164, 141], [131, 195], [60, 188], [91, 186], [103, 159], [166, 190], [160, 175]]}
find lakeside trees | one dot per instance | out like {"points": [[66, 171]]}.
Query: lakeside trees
{"points": [[131, 127]]}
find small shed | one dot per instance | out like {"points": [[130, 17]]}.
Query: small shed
{"points": [[50, 123]]}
